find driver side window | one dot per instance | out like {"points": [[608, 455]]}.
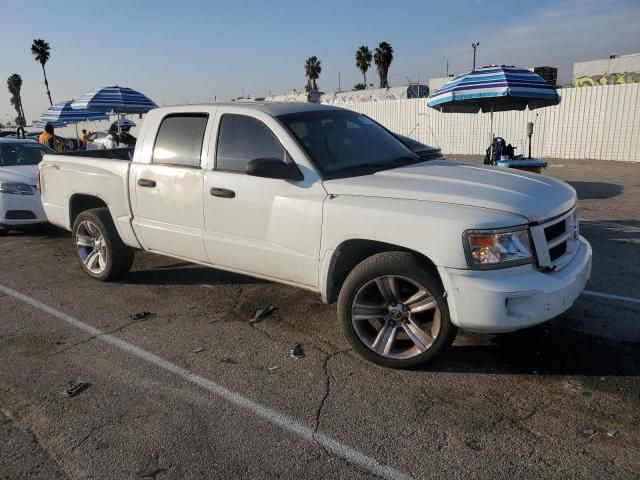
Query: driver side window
{"points": [[242, 139]]}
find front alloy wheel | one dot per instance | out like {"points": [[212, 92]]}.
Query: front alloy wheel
{"points": [[393, 311], [396, 317]]}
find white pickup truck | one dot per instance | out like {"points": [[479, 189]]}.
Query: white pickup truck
{"points": [[328, 200]]}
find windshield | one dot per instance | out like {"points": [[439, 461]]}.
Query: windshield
{"points": [[343, 143], [12, 154]]}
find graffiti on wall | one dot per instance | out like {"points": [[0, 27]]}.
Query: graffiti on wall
{"points": [[606, 79]]}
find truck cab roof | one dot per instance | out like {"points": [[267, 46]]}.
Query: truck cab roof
{"points": [[271, 108]]}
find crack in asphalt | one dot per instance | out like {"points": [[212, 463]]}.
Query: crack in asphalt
{"points": [[325, 396], [108, 332], [109, 423]]}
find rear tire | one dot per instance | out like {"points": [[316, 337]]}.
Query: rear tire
{"points": [[393, 311], [100, 250], [3, 232]]}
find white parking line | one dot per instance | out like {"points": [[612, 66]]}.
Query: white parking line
{"points": [[595, 223], [610, 296], [269, 415]]}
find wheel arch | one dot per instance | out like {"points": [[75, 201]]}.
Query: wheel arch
{"points": [[353, 251], [80, 202]]}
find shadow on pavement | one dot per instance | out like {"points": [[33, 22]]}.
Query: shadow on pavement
{"points": [[185, 273], [46, 231], [596, 190], [544, 350]]}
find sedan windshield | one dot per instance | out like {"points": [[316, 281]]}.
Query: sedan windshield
{"points": [[344, 144], [12, 154]]}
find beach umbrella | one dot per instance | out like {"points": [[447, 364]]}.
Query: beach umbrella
{"points": [[117, 99], [124, 122], [61, 114], [41, 124], [494, 89]]}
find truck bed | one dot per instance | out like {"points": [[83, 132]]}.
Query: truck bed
{"points": [[113, 154], [69, 179]]}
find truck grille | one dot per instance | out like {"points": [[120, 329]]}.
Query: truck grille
{"points": [[556, 240]]}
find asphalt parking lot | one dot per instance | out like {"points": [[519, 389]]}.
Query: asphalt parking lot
{"points": [[193, 389]]}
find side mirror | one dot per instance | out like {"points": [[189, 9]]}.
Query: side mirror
{"points": [[274, 168]]}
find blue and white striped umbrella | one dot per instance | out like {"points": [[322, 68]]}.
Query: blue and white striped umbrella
{"points": [[42, 124], [61, 114], [494, 89], [116, 99]]}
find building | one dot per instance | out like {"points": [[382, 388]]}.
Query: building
{"points": [[617, 69], [436, 83], [550, 74]]}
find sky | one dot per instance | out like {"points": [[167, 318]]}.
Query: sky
{"points": [[186, 51]]}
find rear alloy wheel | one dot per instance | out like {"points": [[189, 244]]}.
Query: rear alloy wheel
{"points": [[92, 247], [394, 312], [101, 252]]}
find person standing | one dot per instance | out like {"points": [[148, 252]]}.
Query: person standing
{"points": [[48, 139], [84, 140]]}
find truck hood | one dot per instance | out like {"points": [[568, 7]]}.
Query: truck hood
{"points": [[19, 174], [535, 197]]}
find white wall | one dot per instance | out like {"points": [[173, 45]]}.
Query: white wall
{"points": [[596, 122], [619, 64]]}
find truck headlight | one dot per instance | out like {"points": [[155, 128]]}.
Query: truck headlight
{"points": [[15, 188], [498, 248]]}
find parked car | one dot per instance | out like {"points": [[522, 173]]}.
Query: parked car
{"points": [[423, 151], [20, 204], [328, 200]]}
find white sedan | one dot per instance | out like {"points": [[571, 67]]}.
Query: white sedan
{"points": [[20, 204]]}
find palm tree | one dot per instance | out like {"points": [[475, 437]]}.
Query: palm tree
{"points": [[41, 50], [363, 61], [312, 70], [14, 83], [383, 57]]}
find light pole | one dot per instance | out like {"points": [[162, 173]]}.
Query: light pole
{"points": [[474, 46]]}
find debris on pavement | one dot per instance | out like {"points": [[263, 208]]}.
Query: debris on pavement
{"points": [[612, 433], [590, 433], [151, 472], [273, 369], [139, 315], [229, 360], [74, 388], [262, 314], [198, 350], [297, 351]]}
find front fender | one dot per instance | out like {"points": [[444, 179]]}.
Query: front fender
{"points": [[431, 229]]}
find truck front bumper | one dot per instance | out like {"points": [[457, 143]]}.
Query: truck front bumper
{"points": [[514, 298]]}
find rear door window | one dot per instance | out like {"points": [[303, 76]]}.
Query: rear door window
{"points": [[242, 139], [179, 140]]}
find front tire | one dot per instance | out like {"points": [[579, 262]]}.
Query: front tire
{"points": [[100, 250], [393, 311]]}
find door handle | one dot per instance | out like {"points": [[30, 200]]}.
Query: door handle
{"points": [[222, 192], [143, 182]]}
